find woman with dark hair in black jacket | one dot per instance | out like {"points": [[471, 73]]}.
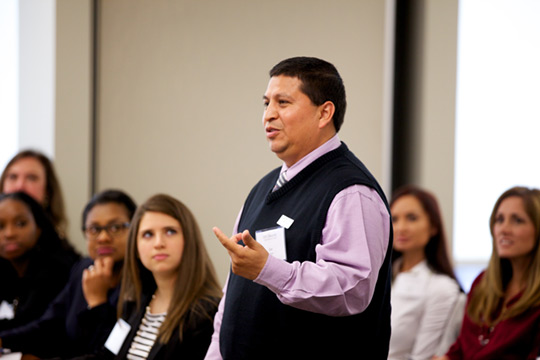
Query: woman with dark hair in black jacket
{"points": [[34, 263], [82, 315]]}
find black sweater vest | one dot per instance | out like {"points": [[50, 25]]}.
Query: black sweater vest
{"points": [[256, 325]]}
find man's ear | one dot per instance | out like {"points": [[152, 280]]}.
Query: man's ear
{"points": [[326, 114]]}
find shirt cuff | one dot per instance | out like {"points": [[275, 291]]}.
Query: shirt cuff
{"points": [[275, 274]]}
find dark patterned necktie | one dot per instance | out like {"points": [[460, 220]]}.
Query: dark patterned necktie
{"points": [[281, 181]]}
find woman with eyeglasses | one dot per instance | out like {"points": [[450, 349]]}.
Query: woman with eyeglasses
{"points": [[33, 266], [79, 320]]}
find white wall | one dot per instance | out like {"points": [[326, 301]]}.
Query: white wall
{"points": [[497, 120], [37, 74], [9, 86], [73, 105]]}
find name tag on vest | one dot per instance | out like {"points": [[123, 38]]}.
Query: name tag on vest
{"points": [[273, 240], [6, 311]]}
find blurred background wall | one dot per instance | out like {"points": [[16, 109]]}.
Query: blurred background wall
{"points": [[166, 96]]}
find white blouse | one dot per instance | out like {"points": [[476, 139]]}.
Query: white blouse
{"points": [[422, 302]]}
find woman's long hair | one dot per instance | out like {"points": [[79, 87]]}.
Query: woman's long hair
{"points": [[487, 297], [54, 201], [436, 251], [196, 282]]}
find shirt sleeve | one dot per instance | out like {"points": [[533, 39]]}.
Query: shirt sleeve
{"points": [[342, 280], [214, 352]]}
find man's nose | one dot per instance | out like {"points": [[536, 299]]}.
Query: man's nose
{"points": [[270, 112]]}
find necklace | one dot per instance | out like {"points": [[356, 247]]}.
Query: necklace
{"points": [[485, 334]]}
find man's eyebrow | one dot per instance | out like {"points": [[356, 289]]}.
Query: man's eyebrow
{"points": [[281, 94]]}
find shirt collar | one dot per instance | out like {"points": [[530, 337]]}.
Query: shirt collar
{"points": [[301, 164], [421, 267]]}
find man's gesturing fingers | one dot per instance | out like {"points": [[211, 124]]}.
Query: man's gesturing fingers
{"points": [[247, 261], [231, 244]]}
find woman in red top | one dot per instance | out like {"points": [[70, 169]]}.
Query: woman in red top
{"points": [[502, 320]]}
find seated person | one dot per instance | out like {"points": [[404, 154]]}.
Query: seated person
{"points": [[34, 266], [32, 172], [89, 300], [502, 317], [424, 287], [169, 289]]}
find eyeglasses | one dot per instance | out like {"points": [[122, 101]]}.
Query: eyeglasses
{"points": [[113, 230]]}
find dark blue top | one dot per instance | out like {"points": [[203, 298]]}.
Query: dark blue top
{"points": [[46, 275], [67, 328]]}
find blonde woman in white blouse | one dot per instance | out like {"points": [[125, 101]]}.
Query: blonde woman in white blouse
{"points": [[425, 291]]}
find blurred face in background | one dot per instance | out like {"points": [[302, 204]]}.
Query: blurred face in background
{"points": [[18, 230], [412, 225], [27, 175], [106, 231], [513, 230]]}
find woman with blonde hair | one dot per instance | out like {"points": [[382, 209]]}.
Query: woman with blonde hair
{"points": [[169, 284], [502, 319]]}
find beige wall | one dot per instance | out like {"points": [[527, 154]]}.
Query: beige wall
{"points": [[74, 108], [180, 93], [434, 103], [180, 86]]}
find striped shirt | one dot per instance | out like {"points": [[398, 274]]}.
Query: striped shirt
{"points": [[146, 335]]}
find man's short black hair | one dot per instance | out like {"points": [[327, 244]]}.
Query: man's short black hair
{"points": [[321, 82]]}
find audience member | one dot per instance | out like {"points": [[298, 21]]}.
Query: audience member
{"points": [[424, 288], [34, 266], [502, 319], [80, 318], [169, 292], [32, 172]]}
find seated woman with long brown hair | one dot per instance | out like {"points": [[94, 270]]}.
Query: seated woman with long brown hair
{"points": [[425, 291], [32, 172], [168, 283], [502, 319]]}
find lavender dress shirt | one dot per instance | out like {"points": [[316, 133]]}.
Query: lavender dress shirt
{"points": [[342, 280]]}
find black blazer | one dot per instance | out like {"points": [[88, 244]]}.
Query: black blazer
{"points": [[196, 337], [47, 274], [67, 328]]}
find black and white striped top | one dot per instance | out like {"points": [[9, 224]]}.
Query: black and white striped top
{"points": [[146, 335]]}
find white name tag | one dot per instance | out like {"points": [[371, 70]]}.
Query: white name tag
{"points": [[285, 221], [273, 240], [6, 310], [117, 336], [12, 356]]}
